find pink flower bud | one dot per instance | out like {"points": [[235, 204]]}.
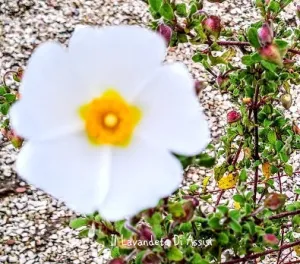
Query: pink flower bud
{"points": [[145, 233], [265, 34], [233, 116], [212, 25], [166, 32], [275, 201], [117, 261], [271, 53], [271, 239]]}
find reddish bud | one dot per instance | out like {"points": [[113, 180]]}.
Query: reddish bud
{"points": [[166, 32], [212, 25], [18, 75], [271, 53], [265, 34], [271, 239], [199, 86], [14, 139], [145, 233], [117, 261], [151, 258], [222, 81], [233, 116], [275, 201], [296, 129], [188, 208]]}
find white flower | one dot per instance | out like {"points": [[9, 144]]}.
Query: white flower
{"points": [[102, 119]]}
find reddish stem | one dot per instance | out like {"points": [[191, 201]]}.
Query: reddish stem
{"points": [[267, 252]]}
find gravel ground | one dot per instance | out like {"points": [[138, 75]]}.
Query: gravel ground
{"points": [[34, 226]]}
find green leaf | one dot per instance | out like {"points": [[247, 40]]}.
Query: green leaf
{"points": [[198, 57], [288, 169], [272, 137], [247, 60], [269, 65], [274, 6], [253, 37], [181, 10], [174, 254], [10, 98], [279, 145], [281, 44], [186, 227], [155, 4], [238, 198], [223, 239], [3, 90], [166, 11], [214, 222], [235, 226], [234, 214], [223, 209], [296, 220], [204, 160], [78, 222], [283, 156], [198, 260], [243, 175], [115, 252], [4, 108], [139, 257], [176, 210]]}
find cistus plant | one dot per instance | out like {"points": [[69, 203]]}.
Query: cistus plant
{"points": [[255, 218]]}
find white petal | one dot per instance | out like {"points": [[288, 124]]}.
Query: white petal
{"points": [[50, 95], [69, 169], [140, 176], [117, 57], [172, 115]]}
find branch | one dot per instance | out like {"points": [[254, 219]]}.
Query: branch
{"points": [[246, 44], [284, 214], [258, 255], [256, 151]]}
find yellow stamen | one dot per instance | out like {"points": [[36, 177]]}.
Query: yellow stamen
{"points": [[109, 119]]}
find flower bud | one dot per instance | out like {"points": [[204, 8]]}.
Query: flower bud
{"points": [[265, 34], [145, 233], [212, 25], [296, 129], [117, 261], [233, 116], [247, 100], [18, 75], [270, 239], [271, 53], [166, 32], [275, 201], [150, 258], [222, 81], [286, 100], [199, 86], [14, 139]]}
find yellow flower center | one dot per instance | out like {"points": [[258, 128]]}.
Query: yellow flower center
{"points": [[109, 119]]}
